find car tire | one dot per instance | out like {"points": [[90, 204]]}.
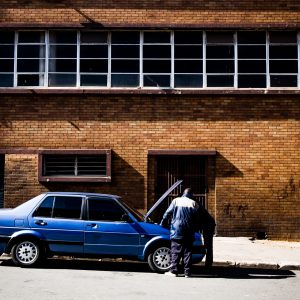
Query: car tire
{"points": [[27, 253], [159, 259]]}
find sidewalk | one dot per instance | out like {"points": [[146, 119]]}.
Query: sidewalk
{"points": [[243, 252]]}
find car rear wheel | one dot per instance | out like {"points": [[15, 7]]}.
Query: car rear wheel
{"points": [[27, 253], [159, 259]]}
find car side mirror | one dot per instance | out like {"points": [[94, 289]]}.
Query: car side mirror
{"points": [[126, 218]]}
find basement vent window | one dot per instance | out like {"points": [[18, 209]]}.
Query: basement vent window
{"points": [[90, 166]]}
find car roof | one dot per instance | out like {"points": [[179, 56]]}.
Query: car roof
{"points": [[82, 194]]}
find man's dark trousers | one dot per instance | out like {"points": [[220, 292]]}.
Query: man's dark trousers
{"points": [[179, 249]]}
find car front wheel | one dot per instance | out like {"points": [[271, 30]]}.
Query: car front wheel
{"points": [[159, 259], [27, 253]]}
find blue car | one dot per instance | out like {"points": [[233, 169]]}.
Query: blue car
{"points": [[86, 225]]}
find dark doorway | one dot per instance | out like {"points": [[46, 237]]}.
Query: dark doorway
{"points": [[2, 159], [191, 169]]}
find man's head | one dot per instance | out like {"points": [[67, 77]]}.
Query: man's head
{"points": [[188, 193]]}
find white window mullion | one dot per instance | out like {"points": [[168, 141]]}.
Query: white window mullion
{"points": [[16, 58], [141, 58], [298, 43], [267, 60], [172, 60], [235, 60], [78, 60], [109, 60], [76, 166], [204, 60], [46, 58]]}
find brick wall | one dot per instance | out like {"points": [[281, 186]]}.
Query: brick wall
{"points": [[254, 186], [150, 12]]}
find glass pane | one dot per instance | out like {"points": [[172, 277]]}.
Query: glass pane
{"points": [[93, 66], [7, 37], [284, 52], [45, 209], [219, 37], [62, 65], [283, 37], [93, 37], [30, 65], [220, 81], [188, 66], [251, 37], [125, 37], [283, 66], [188, 52], [6, 80], [63, 37], [251, 51], [219, 52], [157, 66], [94, 80], [31, 37], [125, 51], [6, 51], [62, 80], [283, 81], [156, 37], [220, 66], [251, 66], [67, 207], [188, 81], [156, 80], [30, 80], [103, 210], [94, 51], [31, 51], [6, 65], [125, 66], [188, 37], [252, 81], [124, 80], [157, 51], [63, 51]]}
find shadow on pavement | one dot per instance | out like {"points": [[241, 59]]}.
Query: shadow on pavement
{"points": [[198, 271]]}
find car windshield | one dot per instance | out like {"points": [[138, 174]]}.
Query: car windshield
{"points": [[134, 212]]}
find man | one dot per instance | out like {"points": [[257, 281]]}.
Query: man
{"points": [[184, 223], [207, 227]]}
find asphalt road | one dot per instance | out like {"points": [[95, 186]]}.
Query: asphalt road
{"points": [[77, 279]]}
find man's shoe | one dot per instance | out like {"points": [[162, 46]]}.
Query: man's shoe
{"points": [[170, 274], [187, 275]]}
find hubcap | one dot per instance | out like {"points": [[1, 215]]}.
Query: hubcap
{"points": [[27, 252], [162, 258]]}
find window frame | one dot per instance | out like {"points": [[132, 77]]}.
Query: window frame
{"points": [[68, 178]]}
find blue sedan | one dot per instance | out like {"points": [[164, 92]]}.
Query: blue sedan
{"points": [[85, 225]]}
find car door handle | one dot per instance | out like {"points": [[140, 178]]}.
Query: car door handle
{"points": [[92, 225], [40, 222]]}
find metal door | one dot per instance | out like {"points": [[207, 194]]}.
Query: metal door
{"points": [[191, 169]]}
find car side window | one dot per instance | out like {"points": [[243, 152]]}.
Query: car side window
{"points": [[45, 209], [67, 207], [105, 210]]}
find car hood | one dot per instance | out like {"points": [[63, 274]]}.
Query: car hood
{"points": [[162, 198]]}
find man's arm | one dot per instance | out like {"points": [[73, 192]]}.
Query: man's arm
{"points": [[167, 214]]}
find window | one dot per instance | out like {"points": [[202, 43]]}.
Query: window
{"points": [[7, 40], [104, 210], [31, 58], [81, 166], [93, 58], [283, 59], [150, 59], [157, 59], [62, 58], [66, 207], [220, 59], [252, 66]]}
